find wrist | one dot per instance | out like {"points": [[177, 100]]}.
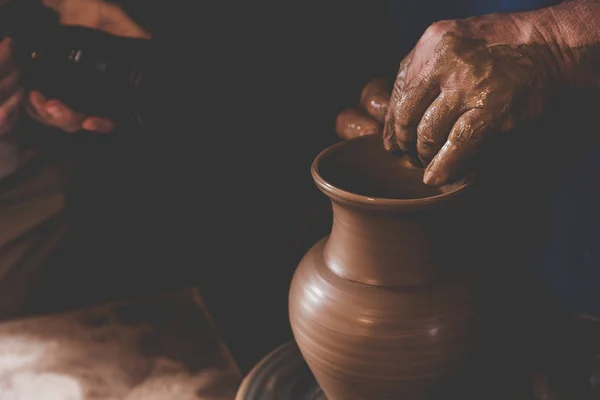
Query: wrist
{"points": [[539, 34]]}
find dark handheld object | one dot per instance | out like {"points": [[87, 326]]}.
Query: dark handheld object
{"points": [[90, 71]]}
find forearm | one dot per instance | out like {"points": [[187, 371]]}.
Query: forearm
{"points": [[572, 31], [578, 35], [565, 38]]}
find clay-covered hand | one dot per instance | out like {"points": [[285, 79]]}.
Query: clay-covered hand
{"points": [[464, 81], [11, 93], [368, 117], [96, 14]]}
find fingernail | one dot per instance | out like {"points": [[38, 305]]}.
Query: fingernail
{"points": [[429, 178], [98, 125]]}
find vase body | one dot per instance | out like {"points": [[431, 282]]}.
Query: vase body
{"points": [[386, 306]]}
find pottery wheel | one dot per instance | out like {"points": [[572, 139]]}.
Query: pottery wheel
{"points": [[281, 375]]}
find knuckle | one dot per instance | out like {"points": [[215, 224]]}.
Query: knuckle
{"points": [[404, 133], [401, 120], [427, 147], [398, 87], [401, 101], [401, 132], [471, 130], [425, 139], [404, 64], [440, 28], [462, 136], [467, 123], [404, 119]]}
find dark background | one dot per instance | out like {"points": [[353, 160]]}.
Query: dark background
{"points": [[214, 190]]}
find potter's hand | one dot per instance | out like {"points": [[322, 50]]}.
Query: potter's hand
{"points": [[367, 118], [11, 94], [468, 79], [96, 14], [462, 83]]}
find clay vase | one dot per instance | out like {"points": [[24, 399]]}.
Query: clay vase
{"points": [[386, 306]]}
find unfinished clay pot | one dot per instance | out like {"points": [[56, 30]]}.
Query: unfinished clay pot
{"points": [[385, 307]]}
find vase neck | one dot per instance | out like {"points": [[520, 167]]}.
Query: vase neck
{"points": [[383, 248]]}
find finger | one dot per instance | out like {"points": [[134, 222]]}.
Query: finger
{"points": [[98, 125], [409, 109], [389, 141], [9, 111], [62, 117], [354, 123], [35, 104], [35, 107], [435, 126], [374, 99], [405, 65], [465, 139], [53, 113]]}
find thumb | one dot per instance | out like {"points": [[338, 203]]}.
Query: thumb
{"points": [[375, 97]]}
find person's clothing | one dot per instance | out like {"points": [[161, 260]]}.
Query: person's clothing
{"points": [[571, 261]]}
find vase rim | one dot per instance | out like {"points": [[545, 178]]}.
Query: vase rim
{"points": [[339, 195]]}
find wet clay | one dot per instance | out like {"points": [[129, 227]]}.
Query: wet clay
{"points": [[383, 308], [466, 92], [471, 79]]}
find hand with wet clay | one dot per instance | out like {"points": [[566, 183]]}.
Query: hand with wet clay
{"points": [[368, 117], [96, 14], [467, 80]]}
